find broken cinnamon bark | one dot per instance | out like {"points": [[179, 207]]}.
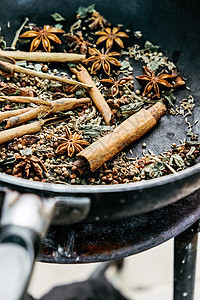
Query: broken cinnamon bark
{"points": [[62, 104], [10, 134], [44, 56], [126, 133], [11, 113], [22, 99], [34, 127], [98, 99]]}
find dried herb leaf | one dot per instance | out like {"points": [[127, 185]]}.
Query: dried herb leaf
{"points": [[38, 67], [94, 130], [26, 152], [80, 93], [2, 43], [10, 159], [124, 65], [177, 159], [138, 34], [72, 65], [157, 169], [170, 98], [57, 17], [83, 11], [149, 46], [154, 65], [59, 26], [131, 108]]}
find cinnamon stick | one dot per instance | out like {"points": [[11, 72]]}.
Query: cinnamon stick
{"points": [[10, 134], [98, 99], [8, 68], [34, 127], [127, 132], [10, 113], [62, 104], [44, 56], [24, 117], [22, 99]]}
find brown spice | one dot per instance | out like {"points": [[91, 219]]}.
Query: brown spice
{"points": [[73, 143], [25, 164], [101, 59], [98, 99], [111, 36], [44, 35], [152, 82], [127, 132]]}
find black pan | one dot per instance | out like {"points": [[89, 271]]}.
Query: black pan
{"points": [[175, 27]]}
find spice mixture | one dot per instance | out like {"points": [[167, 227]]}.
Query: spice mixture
{"points": [[61, 112]]}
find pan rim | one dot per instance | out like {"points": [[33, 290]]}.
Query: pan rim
{"points": [[95, 189]]}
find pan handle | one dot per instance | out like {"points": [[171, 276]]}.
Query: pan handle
{"points": [[25, 219]]}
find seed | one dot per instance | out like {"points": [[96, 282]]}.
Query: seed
{"points": [[45, 68], [55, 145], [74, 168], [115, 182], [9, 171], [19, 146], [73, 176], [125, 180], [66, 174]]}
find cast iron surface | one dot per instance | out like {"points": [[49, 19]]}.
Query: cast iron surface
{"points": [[175, 26], [85, 243]]}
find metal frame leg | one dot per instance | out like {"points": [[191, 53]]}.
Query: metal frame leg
{"points": [[185, 249]]}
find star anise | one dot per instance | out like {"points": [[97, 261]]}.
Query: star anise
{"points": [[43, 35], [101, 59], [115, 84], [97, 20], [71, 144], [28, 164], [178, 82], [152, 82], [77, 42], [111, 36]]}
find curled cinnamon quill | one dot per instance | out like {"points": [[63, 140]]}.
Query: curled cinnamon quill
{"points": [[62, 104], [44, 56], [98, 99], [126, 133]]}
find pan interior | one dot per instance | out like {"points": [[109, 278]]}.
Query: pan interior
{"points": [[173, 25]]}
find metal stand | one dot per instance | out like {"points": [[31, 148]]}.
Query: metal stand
{"points": [[185, 249], [107, 241]]}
